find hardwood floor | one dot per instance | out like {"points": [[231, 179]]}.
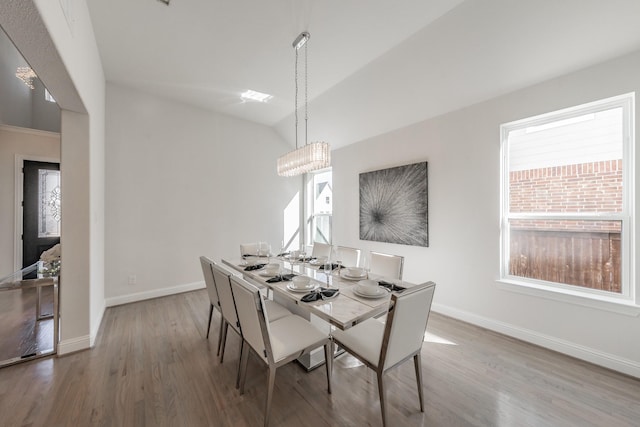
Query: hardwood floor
{"points": [[20, 333], [152, 366]]}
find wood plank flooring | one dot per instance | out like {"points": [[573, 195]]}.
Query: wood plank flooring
{"points": [[20, 333], [152, 366]]}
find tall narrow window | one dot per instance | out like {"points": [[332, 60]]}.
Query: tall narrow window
{"points": [[321, 206], [48, 203], [566, 199]]}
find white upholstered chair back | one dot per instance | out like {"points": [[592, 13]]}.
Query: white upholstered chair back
{"points": [[350, 257], [321, 249], [406, 324], [253, 318], [258, 248], [248, 249], [386, 265], [207, 271], [227, 305]]}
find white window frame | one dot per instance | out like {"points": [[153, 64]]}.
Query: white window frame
{"points": [[309, 213], [575, 294]]}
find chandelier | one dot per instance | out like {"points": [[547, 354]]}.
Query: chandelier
{"points": [[311, 156], [26, 74]]}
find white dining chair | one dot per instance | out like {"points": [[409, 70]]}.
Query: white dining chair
{"points": [[386, 265], [383, 346], [321, 250], [221, 276], [276, 342], [214, 300], [256, 249], [350, 257]]}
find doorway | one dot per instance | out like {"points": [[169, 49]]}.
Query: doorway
{"points": [[40, 211]]}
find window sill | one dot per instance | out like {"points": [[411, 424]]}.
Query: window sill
{"points": [[614, 305]]}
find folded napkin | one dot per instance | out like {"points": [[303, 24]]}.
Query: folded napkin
{"points": [[333, 267], [281, 278], [320, 294], [391, 286], [254, 267]]}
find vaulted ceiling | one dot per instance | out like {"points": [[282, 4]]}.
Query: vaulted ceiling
{"points": [[374, 65]]}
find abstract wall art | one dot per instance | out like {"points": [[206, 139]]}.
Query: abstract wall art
{"points": [[393, 205]]}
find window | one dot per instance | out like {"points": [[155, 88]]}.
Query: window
{"points": [[566, 200], [48, 203], [319, 205], [48, 97]]}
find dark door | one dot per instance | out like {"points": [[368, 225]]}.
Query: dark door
{"points": [[41, 210]]}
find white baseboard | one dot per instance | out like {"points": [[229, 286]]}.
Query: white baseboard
{"points": [[154, 293], [96, 326], [597, 357], [74, 344]]}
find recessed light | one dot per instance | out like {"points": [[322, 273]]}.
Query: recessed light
{"points": [[252, 95]]}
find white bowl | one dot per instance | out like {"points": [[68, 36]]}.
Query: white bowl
{"points": [[252, 260], [272, 268], [355, 271], [301, 282], [368, 287]]}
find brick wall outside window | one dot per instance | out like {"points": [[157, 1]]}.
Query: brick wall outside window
{"points": [[589, 187]]}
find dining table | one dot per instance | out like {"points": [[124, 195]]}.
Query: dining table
{"points": [[345, 309]]}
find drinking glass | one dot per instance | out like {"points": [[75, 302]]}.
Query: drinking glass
{"points": [[327, 270], [366, 265]]}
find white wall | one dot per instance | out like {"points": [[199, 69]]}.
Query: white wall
{"points": [[463, 152], [184, 182], [30, 144], [19, 105], [15, 108]]}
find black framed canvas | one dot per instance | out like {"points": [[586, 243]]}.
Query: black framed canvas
{"points": [[393, 205]]}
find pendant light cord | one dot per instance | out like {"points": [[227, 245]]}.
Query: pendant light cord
{"points": [[306, 89], [296, 97]]}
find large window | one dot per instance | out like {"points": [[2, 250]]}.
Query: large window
{"points": [[319, 205], [566, 199]]}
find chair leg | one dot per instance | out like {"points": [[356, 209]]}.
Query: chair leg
{"points": [[210, 316], [383, 406], [244, 364], [222, 323], [417, 361], [328, 357], [239, 363], [270, 385], [225, 328]]}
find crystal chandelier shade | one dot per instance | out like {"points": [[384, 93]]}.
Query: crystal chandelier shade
{"points": [[311, 156], [27, 75]]}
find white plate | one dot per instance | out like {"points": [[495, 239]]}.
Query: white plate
{"points": [[292, 288], [381, 292], [344, 275]]}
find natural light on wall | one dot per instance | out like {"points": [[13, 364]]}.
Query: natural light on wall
{"points": [[291, 218]]}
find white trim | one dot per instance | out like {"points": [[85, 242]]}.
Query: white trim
{"points": [[628, 302], [96, 328], [610, 361], [28, 131], [601, 302], [74, 344], [18, 184], [154, 293]]}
